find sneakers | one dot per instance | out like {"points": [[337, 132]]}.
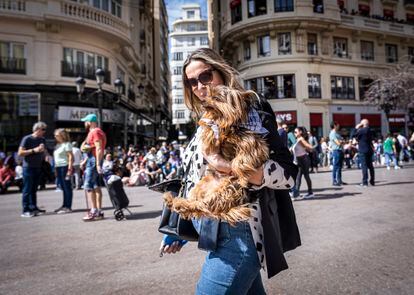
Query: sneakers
{"points": [[58, 209], [64, 210], [308, 196], [38, 212], [397, 167], [99, 216], [363, 185], [90, 217], [388, 168], [27, 214]]}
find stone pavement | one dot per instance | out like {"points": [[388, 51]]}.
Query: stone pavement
{"points": [[355, 241]]}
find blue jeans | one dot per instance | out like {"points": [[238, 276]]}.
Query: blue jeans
{"points": [[366, 164], [31, 177], [234, 267], [65, 185], [337, 160], [390, 157]]}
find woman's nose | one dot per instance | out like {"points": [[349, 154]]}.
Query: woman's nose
{"points": [[201, 87]]}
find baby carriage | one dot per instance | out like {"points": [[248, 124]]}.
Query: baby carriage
{"points": [[117, 195]]}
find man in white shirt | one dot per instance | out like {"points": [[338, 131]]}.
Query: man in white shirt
{"points": [[404, 147], [77, 157]]}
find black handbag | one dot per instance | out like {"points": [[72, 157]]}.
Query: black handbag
{"points": [[171, 222]]}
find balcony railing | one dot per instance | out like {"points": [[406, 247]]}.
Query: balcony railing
{"points": [[13, 65], [13, 5], [71, 69]]}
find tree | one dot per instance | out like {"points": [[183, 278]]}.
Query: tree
{"points": [[393, 89]]}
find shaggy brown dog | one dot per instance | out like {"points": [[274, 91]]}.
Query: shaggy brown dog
{"points": [[217, 195]]}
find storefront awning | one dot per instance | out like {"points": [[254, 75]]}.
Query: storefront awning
{"points": [[316, 119], [374, 119], [344, 120]]}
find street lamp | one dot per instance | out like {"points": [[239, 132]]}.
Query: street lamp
{"points": [[141, 89], [119, 87], [100, 79]]}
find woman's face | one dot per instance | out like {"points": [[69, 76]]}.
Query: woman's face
{"points": [[193, 70], [297, 133], [58, 137]]}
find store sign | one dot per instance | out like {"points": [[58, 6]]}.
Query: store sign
{"points": [[66, 113], [396, 119], [289, 117]]}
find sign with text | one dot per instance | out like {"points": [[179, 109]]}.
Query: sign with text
{"points": [[289, 117], [66, 113]]}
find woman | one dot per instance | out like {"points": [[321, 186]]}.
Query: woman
{"points": [[63, 159], [300, 151], [236, 254], [324, 153]]}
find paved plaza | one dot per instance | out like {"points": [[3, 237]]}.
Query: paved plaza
{"points": [[355, 241]]}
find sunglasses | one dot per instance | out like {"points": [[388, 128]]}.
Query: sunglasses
{"points": [[43, 129], [204, 78]]}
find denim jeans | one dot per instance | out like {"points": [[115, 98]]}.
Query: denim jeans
{"points": [[234, 267], [390, 157], [65, 185], [303, 164], [366, 164], [31, 177], [337, 160]]}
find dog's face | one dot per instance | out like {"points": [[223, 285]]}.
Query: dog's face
{"points": [[226, 106]]}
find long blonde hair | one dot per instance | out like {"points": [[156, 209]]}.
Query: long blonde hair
{"points": [[216, 62], [63, 134]]}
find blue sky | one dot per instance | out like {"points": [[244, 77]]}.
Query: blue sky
{"points": [[174, 9]]}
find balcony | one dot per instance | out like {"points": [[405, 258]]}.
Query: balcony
{"points": [[389, 2], [10, 65], [70, 69], [409, 4], [12, 5]]}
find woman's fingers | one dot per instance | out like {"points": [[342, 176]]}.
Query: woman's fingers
{"points": [[173, 248]]}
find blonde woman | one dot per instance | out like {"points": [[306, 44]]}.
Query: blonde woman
{"points": [[64, 168], [235, 254]]}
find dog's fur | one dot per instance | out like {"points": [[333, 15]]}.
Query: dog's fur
{"points": [[224, 196]]}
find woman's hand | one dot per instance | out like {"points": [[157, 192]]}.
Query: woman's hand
{"points": [[170, 245], [257, 177]]}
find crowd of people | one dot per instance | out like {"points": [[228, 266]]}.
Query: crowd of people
{"points": [[363, 151]]}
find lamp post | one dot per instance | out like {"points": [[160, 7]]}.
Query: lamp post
{"points": [[100, 77]]}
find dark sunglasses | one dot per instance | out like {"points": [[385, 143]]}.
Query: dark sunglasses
{"points": [[43, 129], [204, 78]]}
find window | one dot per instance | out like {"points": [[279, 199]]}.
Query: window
{"points": [[364, 84], [283, 5], [256, 7], [191, 27], [131, 89], [410, 18], [367, 50], [190, 14], [12, 58], [391, 53], [411, 54], [177, 56], [179, 100], [364, 9], [273, 87], [236, 11], [263, 45], [203, 41], [177, 43], [120, 74], [284, 43], [318, 6], [246, 50], [340, 48], [388, 14], [178, 70], [342, 87], [312, 44], [179, 114], [314, 86], [115, 8], [191, 41]]}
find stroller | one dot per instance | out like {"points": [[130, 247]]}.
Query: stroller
{"points": [[117, 195]]}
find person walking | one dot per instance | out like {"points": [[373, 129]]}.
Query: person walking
{"points": [[336, 142], [282, 132], [364, 137], [313, 153], [63, 158], [77, 158], [324, 155], [32, 149], [390, 152], [237, 253], [300, 151], [96, 139]]}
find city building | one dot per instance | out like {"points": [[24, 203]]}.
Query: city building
{"points": [[46, 45], [313, 60], [189, 33]]}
